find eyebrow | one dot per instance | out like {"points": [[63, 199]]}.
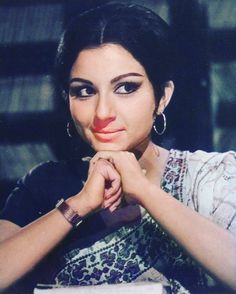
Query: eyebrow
{"points": [[114, 80], [80, 80]]}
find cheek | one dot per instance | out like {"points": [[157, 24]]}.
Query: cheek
{"points": [[80, 114], [143, 112], [81, 118]]}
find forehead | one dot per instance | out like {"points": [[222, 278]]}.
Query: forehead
{"points": [[107, 59]]}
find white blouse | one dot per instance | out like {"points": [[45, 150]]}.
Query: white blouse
{"points": [[206, 183]]}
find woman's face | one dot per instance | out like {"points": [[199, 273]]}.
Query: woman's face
{"points": [[111, 98]]}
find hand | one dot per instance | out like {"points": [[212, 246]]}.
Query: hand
{"points": [[102, 188], [132, 176]]}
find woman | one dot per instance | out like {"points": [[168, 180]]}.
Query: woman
{"points": [[147, 213]]}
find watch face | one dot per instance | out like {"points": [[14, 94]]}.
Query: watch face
{"points": [[69, 214]]}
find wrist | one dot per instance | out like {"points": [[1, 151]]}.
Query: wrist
{"points": [[79, 204], [146, 194]]}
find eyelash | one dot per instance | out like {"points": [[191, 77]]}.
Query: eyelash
{"points": [[134, 87], [77, 90]]}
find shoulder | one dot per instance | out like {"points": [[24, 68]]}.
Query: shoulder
{"points": [[211, 186], [200, 175], [211, 160], [39, 190], [46, 169], [51, 173], [198, 164], [210, 167], [204, 167], [52, 180]]}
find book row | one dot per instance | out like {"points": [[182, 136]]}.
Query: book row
{"points": [[30, 93], [16, 160], [30, 23]]}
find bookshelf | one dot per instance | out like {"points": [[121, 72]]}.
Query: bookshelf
{"points": [[28, 154], [222, 47], [26, 94], [29, 33], [30, 22]]}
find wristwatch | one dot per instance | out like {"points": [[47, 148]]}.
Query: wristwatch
{"points": [[69, 214]]}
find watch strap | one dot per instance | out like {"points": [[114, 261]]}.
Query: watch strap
{"points": [[69, 214]]}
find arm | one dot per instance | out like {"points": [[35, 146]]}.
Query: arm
{"points": [[22, 248], [212, 246], [20, 252]]}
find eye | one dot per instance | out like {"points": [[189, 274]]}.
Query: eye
{"points": [[81, 91], [127, 87]]}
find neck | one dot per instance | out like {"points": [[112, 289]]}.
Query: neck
{"points": [[147, 154], [152, 159]]}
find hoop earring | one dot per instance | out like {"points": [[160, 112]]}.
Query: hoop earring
{"points": [[68, 130], [164, 124]]}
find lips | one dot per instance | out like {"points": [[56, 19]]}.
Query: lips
{"points": [[107, 135], [108, 131]]}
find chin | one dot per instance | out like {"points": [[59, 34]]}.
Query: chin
{"points": [[98, 146]]}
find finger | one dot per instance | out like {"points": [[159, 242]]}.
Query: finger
{"points": [[92, 164], [94, 161], [111, 200], [115, 205], [114, 187], [100, 164], [110, 193], [108, 155], [113, 180]]}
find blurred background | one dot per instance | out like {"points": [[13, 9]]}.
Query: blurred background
{"points": [[32, 117]]}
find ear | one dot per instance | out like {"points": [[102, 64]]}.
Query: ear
{"points": [[165, 99]]}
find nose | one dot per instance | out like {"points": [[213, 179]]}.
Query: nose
{"points": [[105, 112]]}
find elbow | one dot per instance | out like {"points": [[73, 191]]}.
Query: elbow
{"points": [[231, 283], [228, 273], [3, 287], [5, 283]]}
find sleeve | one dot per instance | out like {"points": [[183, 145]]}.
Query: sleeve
{"points": [[224, 204], [19, 208], [211, 182], [28, 200]]}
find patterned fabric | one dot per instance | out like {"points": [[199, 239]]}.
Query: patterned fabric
{"points": [[132, 253], [142, 250], [206, 182]]}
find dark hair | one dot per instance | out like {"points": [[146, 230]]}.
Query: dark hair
{"points": [[139, 30]]}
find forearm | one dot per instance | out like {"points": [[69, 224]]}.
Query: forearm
{"points": [[20, 251], [209, 244], [25, 249]]}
